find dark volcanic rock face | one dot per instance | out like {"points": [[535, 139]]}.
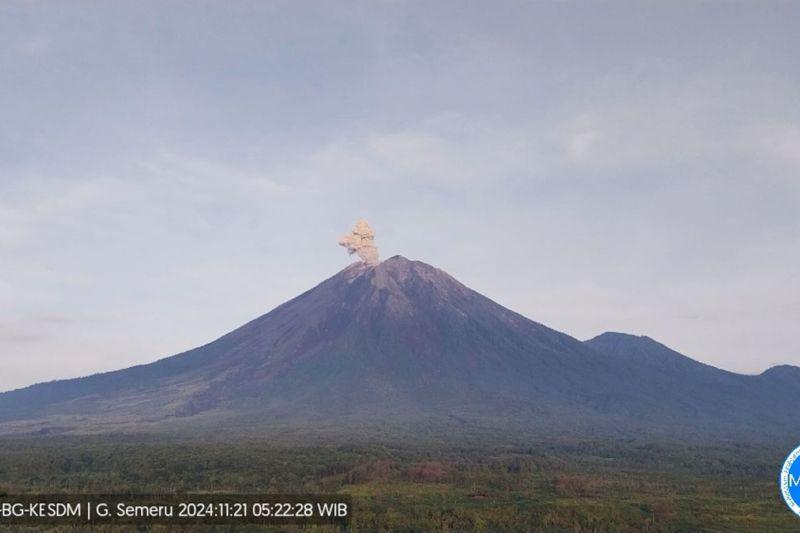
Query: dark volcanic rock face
{"points": [[404, 342]]}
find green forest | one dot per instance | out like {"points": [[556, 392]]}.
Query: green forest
{"points": [[587, 485]]}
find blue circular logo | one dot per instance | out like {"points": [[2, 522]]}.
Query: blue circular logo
{"points": [[790, 481]]}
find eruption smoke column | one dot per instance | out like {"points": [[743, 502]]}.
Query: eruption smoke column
{"points": [[361, 241]]}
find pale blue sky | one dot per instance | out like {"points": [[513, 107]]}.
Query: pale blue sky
{"points": [[170, 170]]}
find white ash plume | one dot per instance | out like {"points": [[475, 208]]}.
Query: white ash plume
{"points": [[361, 241]]}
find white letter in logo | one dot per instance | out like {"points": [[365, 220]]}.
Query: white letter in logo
{"points": [[789, 482]]}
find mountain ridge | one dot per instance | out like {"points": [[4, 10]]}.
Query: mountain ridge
{"points": [[405, 341]]}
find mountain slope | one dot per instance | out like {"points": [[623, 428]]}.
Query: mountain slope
{"points": [[397, 343], [701, 392]]}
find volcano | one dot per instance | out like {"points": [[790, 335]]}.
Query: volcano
{"points": [[404, 344]]}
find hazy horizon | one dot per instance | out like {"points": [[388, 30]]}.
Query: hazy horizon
{"points": [[168, 173]]}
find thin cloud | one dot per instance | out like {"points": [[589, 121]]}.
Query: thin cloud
{"points": [[22, 338], [35, 45]]}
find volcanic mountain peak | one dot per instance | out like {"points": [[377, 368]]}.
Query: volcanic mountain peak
{"points": [[404, 342], [398, 269], [402, 286]]}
